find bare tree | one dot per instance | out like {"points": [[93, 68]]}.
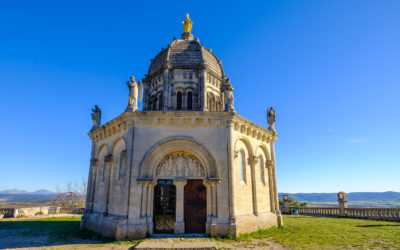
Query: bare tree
{"points": [[72, 195]]}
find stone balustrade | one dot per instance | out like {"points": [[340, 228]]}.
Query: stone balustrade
{"points": [[7, 212], [34, 211], [390, 214], [318, 211]]}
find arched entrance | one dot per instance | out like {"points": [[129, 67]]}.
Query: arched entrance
{"points": [[180, 168], [189, 167]]}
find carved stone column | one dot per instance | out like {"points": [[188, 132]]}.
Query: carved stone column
{"points": [[149, 208], [145, 95], [166, 87], [108, 159], [143, 207], [271, 185], [253, 161], [203, 91], [209, 206], [179, 209], [184, 100]]}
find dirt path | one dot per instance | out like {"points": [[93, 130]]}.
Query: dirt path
{"points": [[253, 244]]}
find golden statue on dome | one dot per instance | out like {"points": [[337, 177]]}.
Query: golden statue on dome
{"points": [[187, 24]]}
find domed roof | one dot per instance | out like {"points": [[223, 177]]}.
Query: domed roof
{"points": [[186, 54]]}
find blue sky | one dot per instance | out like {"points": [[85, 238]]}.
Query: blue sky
{"points": [[331, 69]]}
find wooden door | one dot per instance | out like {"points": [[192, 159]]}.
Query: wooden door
{"points": [[195, 207]]}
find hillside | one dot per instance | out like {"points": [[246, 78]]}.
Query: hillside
{"points": [[355, 199], [17, 198]]}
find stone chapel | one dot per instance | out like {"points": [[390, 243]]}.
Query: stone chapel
{"points": [[187, 163]]}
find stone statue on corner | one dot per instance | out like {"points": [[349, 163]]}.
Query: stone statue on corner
{"points": [[96, 117], [228, 91], [271, 118], [135, 91]]}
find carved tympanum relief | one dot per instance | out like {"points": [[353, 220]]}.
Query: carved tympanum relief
{"points": [[180, 164]]}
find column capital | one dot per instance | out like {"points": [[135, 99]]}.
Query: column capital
{"points": [[93, 162], [147, 181], [229, 123], [212, 181], [253, 160], [180, 182], [108, 158]]}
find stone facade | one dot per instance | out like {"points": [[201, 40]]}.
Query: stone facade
{"points": [[180, 140]]}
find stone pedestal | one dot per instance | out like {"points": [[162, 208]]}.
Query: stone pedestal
{"points": [[286, 204], [187, 36], [279, 218], [342, 199]]}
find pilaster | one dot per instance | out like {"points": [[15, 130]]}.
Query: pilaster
{"points": [[231, 189], [166, 87], [91, 185], [277, 210], [203, 90]]}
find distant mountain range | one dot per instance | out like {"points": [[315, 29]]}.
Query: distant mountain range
{"points": [[355, 199], [17, 191], [356, 196]]}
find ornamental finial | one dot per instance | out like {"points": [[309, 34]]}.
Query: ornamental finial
{"points": [[187, 24]]}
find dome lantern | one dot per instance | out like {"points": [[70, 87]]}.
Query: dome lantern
{"points": [[185, 76]]}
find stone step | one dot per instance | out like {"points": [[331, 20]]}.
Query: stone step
{"points": [[151, 245]]}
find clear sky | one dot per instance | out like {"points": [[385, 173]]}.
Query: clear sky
{"points": [[331, 70]]}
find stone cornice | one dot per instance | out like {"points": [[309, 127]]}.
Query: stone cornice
{"points": [[181, 119], [178, 118], [110, 128], [249, 128]]}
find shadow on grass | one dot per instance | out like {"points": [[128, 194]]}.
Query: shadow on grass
{"points": [[398, 225], [47, 232]]}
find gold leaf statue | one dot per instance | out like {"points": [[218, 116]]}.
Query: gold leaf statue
{"points": [[187, 24]]}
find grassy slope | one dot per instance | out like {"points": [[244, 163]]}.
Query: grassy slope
{"points": [[304, 232], [299, 232], [64, 229]]}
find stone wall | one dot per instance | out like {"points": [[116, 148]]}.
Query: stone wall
{"points": [[35, 211]]}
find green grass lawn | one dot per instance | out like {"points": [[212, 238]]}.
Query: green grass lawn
{"points": [[298, 232], [57, 229], [306, 232]]}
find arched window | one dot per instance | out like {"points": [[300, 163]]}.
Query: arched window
{"points": [[213, 104], [260, 169], [154, 103], [179, 100], [190, 100], [121, 164], [241, 167], [160, 100]]}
